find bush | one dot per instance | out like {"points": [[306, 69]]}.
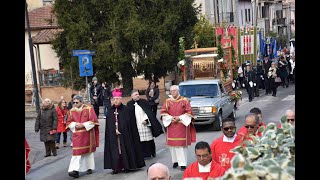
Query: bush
{"points": [[271, 156]]}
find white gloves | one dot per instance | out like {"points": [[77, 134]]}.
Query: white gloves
{"points": [[254, 84], [242, 85], [251, 83], [233, 84]]}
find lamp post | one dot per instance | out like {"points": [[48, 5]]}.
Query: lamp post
{"points": [[34, 75]]}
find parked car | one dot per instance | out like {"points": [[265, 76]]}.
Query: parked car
{"points": [[209, 100]]}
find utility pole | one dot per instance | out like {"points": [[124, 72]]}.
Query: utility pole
{"points": [[289, 33], [34, 75]]}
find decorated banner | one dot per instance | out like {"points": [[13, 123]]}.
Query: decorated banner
{"points": [[226, 34]]}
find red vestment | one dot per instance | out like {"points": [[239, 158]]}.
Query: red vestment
{"points": [[27, 149], [61, 114], [84, 141], [177, 133], [193, 171], [221, 151]]}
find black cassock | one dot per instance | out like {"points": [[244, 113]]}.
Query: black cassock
{"points": [[131, 153], [148, 147]]}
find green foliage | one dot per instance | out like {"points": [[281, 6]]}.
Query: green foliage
{"points": [[204, 33], [129, 37], [271, 156]]}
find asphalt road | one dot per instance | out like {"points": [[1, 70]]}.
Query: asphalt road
{"points": [[56, 167]]}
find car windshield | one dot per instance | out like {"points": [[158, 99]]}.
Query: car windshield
{"points": [[198, 90]]}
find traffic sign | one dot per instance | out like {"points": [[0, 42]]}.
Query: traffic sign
{"points": [[85, 61]]}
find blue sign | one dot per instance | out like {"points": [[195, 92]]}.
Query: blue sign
{"points": [[85, 62]]}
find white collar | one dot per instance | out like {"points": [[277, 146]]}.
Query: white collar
{"points": [[205, 168], [230, 140]]}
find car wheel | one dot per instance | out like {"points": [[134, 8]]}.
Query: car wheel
{"points": [[233, 114], [217, 123]]}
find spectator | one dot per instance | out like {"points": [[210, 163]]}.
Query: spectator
{"points": [[47, 122], [61, 112], [106, 95], [152, 94], [95, 95]]}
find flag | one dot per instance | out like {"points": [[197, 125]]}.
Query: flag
{"points": [[274, 52]]}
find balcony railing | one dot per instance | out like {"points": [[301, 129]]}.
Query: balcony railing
{"points": [[278, 21], [52, 77]]}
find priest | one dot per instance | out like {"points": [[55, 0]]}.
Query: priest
{"points": [[205, 167], [122, 150], [177, 118], [147, 124], [84, 124], [221, 147]]}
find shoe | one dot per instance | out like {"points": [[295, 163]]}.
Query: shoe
{"points": [[89, 171], [47, 155], [274, 95], [74, 174], [126, 170], [55, 154], [115, 171], [153, 154], [175, 165], [183, 168], [57, 145], [71, 145], [250, 100], [64, 144]]}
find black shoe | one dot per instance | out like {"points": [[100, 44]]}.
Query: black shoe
{"points": [[126, 170], [47, 155], [115, 171], [74, 174], [55, 154], [153, 154], [250, 100], [274, 95], [175, 165], [183, 168], [89, 171]]}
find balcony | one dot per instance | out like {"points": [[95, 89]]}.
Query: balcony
{"points": [[279, 22]]}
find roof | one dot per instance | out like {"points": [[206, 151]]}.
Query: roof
{"points": [[200, 81], [42, 18], [45, 36]]}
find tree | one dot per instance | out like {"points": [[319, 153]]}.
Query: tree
{"points": [[204, 33], [129, 37]]}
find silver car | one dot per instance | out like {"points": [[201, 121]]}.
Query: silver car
{"points": [[209, 101]]}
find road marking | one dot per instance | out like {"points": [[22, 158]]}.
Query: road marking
{"points": [[289, 98], [160, 151]]}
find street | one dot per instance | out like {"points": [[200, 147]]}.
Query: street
{"points": [[56, 167]]}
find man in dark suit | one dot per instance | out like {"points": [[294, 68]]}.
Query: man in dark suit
{"points": [[266, 64], [249, 80]]}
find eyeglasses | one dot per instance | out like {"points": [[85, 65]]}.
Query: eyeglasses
{"points": [[227, 128], [249, 126], [202, 156], [75, 102], [290, 120]]}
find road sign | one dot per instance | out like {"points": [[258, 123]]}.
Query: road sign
{"points": [[85, 65], [85, 61]]}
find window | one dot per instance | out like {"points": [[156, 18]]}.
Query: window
{"points": [[249, 19], [245, 14], [241, 17], [209, 90], [221, 88]]}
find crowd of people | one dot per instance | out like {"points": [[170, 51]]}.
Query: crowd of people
{"points": [[130, 131], [267, 75]]}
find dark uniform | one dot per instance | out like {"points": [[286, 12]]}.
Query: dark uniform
{"points": [[249, 77], [266, 64]]}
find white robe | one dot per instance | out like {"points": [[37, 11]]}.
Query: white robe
{"points": [[82, 162], [178, 153], [144, 130]]}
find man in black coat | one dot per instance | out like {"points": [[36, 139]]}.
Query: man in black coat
{"points": [[122, 149], [266, 64], [249, 80], [95, 95], [147, 124]]}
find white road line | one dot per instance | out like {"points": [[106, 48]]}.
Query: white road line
{"points": [[160, 151], [289, 98]]}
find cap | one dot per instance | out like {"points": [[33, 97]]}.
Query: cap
{"points": [[94, 79], [117, 93]]}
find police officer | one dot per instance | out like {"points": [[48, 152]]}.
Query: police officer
{"points": [[249, 80]]}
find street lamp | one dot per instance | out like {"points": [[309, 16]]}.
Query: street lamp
{"points": [[34, 76]]}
